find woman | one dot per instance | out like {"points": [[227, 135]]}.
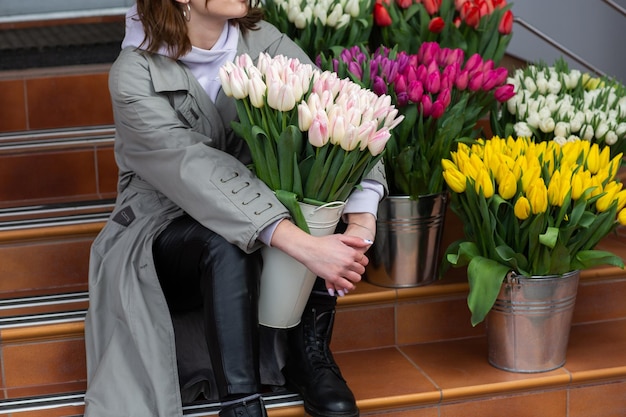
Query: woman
{"points": [[174, 273]]}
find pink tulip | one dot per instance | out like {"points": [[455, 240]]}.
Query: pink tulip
{"points": [[400, 85], [428, 52], [445, 97], [376, 143], [365, 131], [433, 82], [462, 80], [305, 117], [437, 109], [257, 90], [238, 83], [475, 62], [504, 93], [318, 132], [337, 130], [415, 91], [426, 105], [476, 81]]}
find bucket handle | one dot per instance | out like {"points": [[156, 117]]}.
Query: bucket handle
{"points": [[332, 204]]}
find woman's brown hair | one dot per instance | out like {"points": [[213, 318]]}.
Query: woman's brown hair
{"points": [[164, 24]]}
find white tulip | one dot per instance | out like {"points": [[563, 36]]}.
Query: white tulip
{"points": [[586, 132], [533, 120], [522, 129], [610, 138], [561, 129], [335, 14], [601, 129], [352, 8], [547, 125]]}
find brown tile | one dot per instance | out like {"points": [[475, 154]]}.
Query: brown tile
{"points": [[457, 364], [45, 176], [599, 300], [47, 389], [69, 411], [67, 101], [606, 400], [363, 328], [107, 172], [375, 374], [54, 264], [544, 404], [414, 412], [433, 320], [12, 106], [33, 365], [596, 346]]}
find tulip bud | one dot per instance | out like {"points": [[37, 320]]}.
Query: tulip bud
{"points": [[377, 142], [538, 196], [318, 132], [381, 15], [621, 217], [508, 186], [522, 208], [484, 183], [305, 117], [455, 180], [506, 23]]}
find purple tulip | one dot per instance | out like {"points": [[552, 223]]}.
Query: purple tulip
{"points": [[379, 86], [402, 99], [355, 69]]}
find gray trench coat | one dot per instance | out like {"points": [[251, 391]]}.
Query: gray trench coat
{"points": [[176, 153]]}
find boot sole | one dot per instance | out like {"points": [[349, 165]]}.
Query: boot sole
{"points": [[316, 413]]}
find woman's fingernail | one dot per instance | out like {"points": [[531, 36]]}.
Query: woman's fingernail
{"points": [[340, 292], [331, 292], [369, 242]]}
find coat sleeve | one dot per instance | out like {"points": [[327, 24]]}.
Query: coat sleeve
{"points": [[154, 142]]}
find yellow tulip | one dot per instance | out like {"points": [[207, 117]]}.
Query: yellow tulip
{"points": [[621, 200], [483, 181], [522, 208], [621, 217], [455, 180], [448, 164], [593, 159], [577, 185], [508, 186], [605, 156], [538, 196], [554, 190], [529, 176], [607, 199]]}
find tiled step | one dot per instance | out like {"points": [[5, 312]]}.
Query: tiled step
{"points": [[57, 166], [55, 98], [48, 251], [447, 377]]}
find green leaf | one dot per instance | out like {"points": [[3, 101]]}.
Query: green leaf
{"points": [[290, 201], [550, 237], [485, 278], [592, 258]]}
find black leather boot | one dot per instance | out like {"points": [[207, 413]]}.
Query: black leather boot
{"points": [[311, 368], [246, 407]]}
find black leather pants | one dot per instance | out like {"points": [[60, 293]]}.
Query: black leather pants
{"points": [[197, 267]]}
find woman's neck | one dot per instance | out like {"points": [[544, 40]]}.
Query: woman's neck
{"points": [[204, 34]]}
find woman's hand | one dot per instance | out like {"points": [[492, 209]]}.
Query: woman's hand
{"points": [[338, 259]]}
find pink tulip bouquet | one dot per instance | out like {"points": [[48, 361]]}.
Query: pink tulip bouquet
{"points": [[441, 95], [531, 208], [475, 26], [313, 136], [319, 25]]}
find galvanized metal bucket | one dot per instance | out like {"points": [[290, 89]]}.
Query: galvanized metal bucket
{"points": [[408, 236], [529, 325]]}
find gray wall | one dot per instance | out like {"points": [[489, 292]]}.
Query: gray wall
{"points": [[591, 29], [20, 10]]}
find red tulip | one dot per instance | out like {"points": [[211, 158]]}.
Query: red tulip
{"points": [[499, 4], [506, 24], [431, 6], [404, 4], [381, 15], [472, 16], [436, 25]]}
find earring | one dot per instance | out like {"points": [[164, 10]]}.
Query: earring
{"points": [[187, 12]]}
